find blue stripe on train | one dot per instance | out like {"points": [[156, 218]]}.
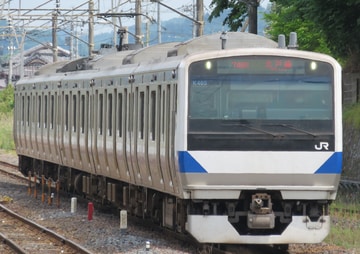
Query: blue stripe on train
{"points": [[332, 165], [189, 165]]}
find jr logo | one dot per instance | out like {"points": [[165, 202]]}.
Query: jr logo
{"points": [[322, 145]]}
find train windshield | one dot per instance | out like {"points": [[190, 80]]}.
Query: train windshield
{"points": [[268, 96]]}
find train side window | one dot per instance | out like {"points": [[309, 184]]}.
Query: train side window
{"points": [[59, 106], [39, 112], [52, 103], [163, 113], [33, 111], [142, 114], [101, 108], [132, 108], [45, 111], [66, 112], [167, 110], [175, 98], [159, 117], [120, 114], [152, 114], [91, 116], [110, 108], [23, 110], [74, 112], [82, 113], [28, 111]]}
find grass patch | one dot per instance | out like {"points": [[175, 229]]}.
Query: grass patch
{"points": [[345, 227], [6, 132]]}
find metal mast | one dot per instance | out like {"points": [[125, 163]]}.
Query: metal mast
{"points": [[138, 22]]}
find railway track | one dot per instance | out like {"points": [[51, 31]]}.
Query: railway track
{"points": [[21, 235], [11, 170], [9, 165]]}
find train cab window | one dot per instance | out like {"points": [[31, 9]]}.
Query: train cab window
{"points": [[261, 95]]}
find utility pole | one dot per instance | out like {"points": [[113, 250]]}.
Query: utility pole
{"points": [[138, 22], [194, 28], [54, 30], [71, 41], [22, 47], [252, 12], [91, 27], [113, 21], [54, 36], [200, 17], [11, 50], [158, 23]]}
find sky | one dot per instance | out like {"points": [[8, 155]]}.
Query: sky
{"points": [[37, 14], [45, 8], [102, 5]]}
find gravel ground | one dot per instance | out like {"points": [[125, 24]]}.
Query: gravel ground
{"points": [[102, 234]]}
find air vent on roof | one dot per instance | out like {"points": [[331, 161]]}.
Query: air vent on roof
{"points": [[172, 52]]}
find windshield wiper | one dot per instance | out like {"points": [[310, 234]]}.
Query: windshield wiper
{"points": [[251, 128], [294, 128]]}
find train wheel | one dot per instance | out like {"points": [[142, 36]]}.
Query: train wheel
{"points": [[78, 183], [281, 247]]}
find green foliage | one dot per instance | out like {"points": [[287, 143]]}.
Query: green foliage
{"points": [[7, 99], [351, 115], [6, 131], [286, 19], [236, 16], [328, 26], [337, 22], [6, 118]]}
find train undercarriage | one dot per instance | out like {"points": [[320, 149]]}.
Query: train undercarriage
{"points": [[255, 213]]}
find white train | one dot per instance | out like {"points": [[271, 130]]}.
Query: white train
{"points": [[234, 141]]}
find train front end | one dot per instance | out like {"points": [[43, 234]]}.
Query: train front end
{"points": [[261, 153]]}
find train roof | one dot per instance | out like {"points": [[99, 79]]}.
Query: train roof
{"points": [[161, 52], [213, 42]]}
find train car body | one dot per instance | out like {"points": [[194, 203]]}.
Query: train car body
{"points": [[234, 145]]}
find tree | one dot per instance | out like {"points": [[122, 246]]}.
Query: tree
{"points": [[332, 25], [286, 19], [7, 99], [339, 23], [239, 10]]}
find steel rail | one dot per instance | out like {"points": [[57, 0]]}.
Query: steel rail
{"points": [[60, 240]]}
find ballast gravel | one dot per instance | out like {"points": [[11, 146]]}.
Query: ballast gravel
{"points": [[102, 234]]}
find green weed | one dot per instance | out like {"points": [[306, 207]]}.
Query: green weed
{"points": [[6, 132]]}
